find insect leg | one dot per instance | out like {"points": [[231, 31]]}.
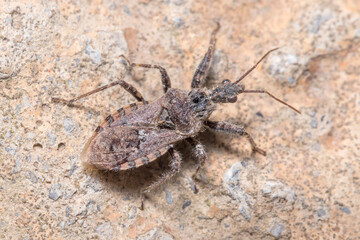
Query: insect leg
{"points": [[234, 129], [201, 72], [128, 87], [175, 164], [164, 76], [200, 153]]}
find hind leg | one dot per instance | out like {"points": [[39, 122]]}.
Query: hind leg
{"points": [[128, 87], [175, 165], [200, 153]]}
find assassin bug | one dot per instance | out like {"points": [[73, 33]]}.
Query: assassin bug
{"points": [[141, 132]]}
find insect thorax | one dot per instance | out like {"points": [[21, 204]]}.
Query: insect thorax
{"points": [[188, 110]]}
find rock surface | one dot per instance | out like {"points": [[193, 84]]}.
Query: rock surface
{"points": [[307, 187]]}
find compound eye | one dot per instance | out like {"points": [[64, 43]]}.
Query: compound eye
{"points": [[196, 100], [225, 81]]}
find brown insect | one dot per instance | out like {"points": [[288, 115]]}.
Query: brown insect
{"points": [[141, 132]]}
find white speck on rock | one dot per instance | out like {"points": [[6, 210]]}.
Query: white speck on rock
{"points": [[92, 53], [278, 190], [32, 177], [25, 101], [68, 125], [237, 189], [51, 138], [168, 197], [30, 135], [276, 229], [132, 212], [105, 230], [285, 67], [178, 22], [155, 233], [55, 191], [17, 167], [10, 150], [179, 2], [69, 193]]}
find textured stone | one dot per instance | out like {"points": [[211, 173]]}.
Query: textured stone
{"points": [[186, 204], [276, 229], [168, 197], [55, 191], [69, 125], [105, 230], [305, 188], [32, 177]]}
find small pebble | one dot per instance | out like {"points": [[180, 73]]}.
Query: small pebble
{"points": [[314, 123], [71, 171], [178, 22], [276, 229], [68, 125], [168, 197], [30, 135], [105, 230], [55, 191], [132, 212], [345, 210], [32, 177], [51, 138], [179, 2], [126, 10], [186, 204], [320, 212], [92, 53]]}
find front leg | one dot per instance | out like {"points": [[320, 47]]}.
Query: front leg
{"points": [[234, 129], [201, 72]]}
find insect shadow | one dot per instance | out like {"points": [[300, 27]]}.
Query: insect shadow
{"points": [[131, 182], [142, 132]]}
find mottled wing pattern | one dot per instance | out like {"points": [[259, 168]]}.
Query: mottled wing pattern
{"points": [[121, 112], [117, 145], [125, 147]]}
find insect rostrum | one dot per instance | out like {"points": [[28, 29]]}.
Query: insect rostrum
{"points": [[141, 132]]}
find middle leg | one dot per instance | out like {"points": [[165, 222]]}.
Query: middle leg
{"points": [[232, 128], [166, 84]]}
